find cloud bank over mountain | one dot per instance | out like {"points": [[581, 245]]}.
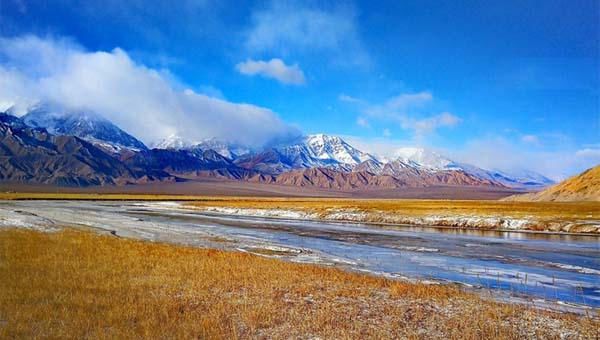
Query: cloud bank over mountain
{"points": [[149, 103]]}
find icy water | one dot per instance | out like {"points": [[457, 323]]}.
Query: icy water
{"points": [[562, 269]]}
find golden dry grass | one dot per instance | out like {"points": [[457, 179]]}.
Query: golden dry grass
{"points": [[76, 284]]}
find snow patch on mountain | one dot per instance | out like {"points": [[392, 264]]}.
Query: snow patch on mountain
{"points": [[426, 159], [527, 176], [523, 179], [224, 148], [173, 142], [84, 124], [324, 147], [310, 151], [321, 151], [432, 161]]}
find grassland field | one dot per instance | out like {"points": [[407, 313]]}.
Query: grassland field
{"points": [[76, 284]]}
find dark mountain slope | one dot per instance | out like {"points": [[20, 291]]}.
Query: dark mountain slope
{"points": [[34, 155]]}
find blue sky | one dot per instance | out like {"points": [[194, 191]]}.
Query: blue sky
{"points": [[502, 84]]}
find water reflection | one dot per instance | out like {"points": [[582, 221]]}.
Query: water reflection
{"points": [[510, 235]]}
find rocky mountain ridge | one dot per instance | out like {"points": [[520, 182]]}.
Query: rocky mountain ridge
{"points": [[313, 160]]}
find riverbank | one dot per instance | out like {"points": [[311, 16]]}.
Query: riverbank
{"points": [[535, 216], [74, 284], [573, 217]]}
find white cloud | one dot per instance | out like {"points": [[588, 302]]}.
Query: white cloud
{"points": [[398, 106], [430, 124], [592, 145], [386, 147], [533, 139], [363, 121], [147, 103], [349, 99], [497, 152], [211, 91], [274, 68], [380, 146], [593, 154], [541, 139], [286, 27], [408, 110], [387, 133], [408, 100]]}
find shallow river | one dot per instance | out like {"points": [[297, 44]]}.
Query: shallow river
{"points": [[558, 269]]}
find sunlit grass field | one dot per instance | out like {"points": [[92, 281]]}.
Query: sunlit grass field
{"points": [[78, 284]]}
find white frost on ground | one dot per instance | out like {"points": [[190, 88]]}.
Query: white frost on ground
{"points": [[17, 219], [347, 216], [419, 249], [280, 213], [459, 220], [283, 249], [579, 269]]}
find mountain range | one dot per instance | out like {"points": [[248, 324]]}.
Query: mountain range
{"points": [[33, 155], [54, 145]]}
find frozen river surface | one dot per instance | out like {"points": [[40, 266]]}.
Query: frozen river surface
{"points": [[542, 269]]}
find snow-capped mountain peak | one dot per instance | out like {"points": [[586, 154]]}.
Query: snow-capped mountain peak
{"points": [[84, 124], [334, 148], [173, 142], [426, 159], [309, 151], [432, 161], [224, 148]]}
